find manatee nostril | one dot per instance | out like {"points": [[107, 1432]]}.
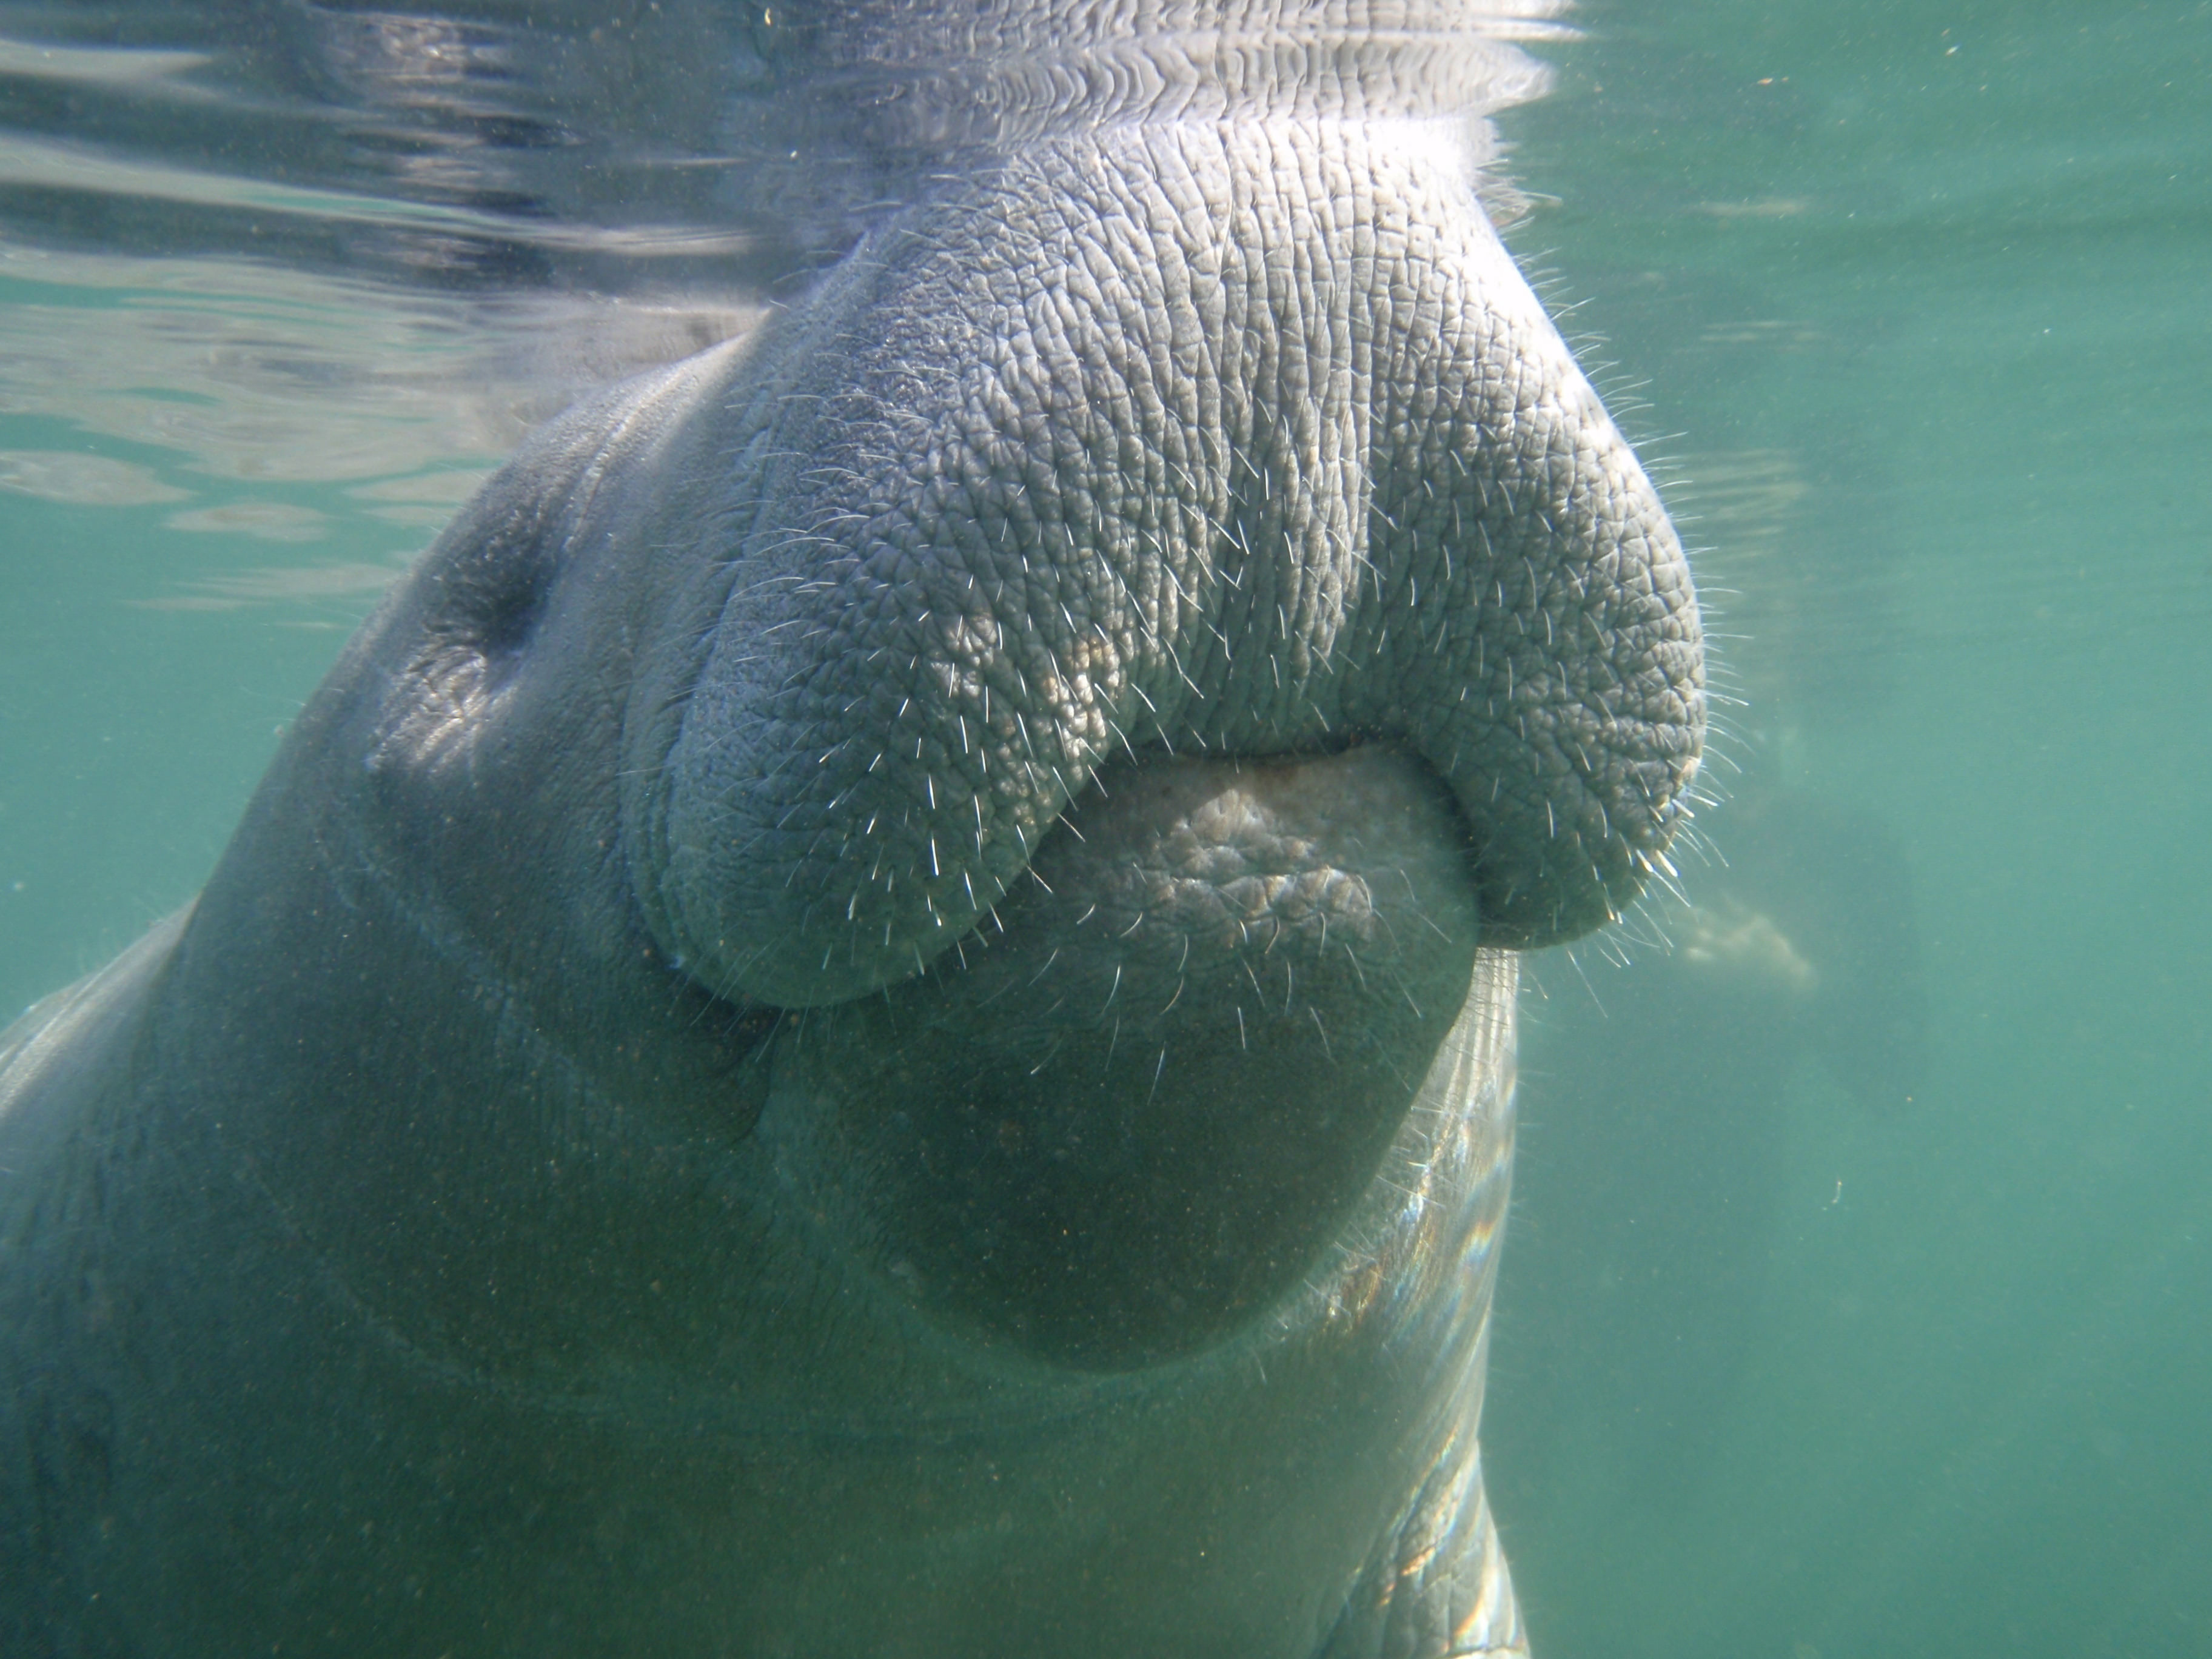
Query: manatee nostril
{"points": [[1124, 1125]]}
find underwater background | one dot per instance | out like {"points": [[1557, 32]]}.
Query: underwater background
{"points": [[1859, 1294]]}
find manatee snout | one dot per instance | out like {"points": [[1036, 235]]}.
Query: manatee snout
{"points": [[1226, 440], [1126, 1118]]}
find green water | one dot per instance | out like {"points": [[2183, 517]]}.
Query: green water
{"points": [[1919, 300], [1913, 307]]}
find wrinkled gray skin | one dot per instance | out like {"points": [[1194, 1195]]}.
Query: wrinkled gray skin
{"points": [[875, 1016]]}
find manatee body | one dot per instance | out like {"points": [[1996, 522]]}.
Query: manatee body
{"points": [[875, 1015]]}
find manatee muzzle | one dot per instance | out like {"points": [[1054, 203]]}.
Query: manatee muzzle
{"points": [[1176, 441]]}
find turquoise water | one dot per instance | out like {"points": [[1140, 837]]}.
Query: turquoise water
{"points": [[1913, 309], [1918, 302]]}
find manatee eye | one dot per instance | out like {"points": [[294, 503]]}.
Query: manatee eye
{"points": [[480, 607], [489, 604]]}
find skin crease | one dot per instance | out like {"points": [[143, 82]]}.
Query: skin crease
{"points": [[875, 1015]]}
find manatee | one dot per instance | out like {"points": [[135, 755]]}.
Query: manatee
{"points": [[875, 1014]]}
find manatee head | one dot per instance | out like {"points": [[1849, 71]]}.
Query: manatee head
{"points": [[1101, 671]]}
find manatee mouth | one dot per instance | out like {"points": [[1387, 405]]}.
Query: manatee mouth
{"points": [[1124, 1117]]}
